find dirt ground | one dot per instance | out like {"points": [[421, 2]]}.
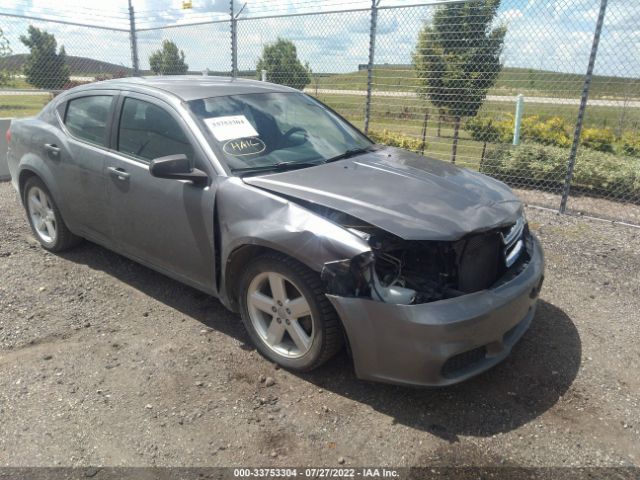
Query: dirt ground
{"points": [[624, 212], [104, 362]]}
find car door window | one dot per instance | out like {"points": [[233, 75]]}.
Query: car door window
{"points": [[86, 118], [147, 131]]}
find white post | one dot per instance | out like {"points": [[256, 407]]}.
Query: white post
{"points": [[518, 119], [264, 75]]}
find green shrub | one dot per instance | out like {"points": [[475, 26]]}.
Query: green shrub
{"points": [[484, 129], [600, 139], [630, 144], [396, 140], [544, 165], [553, 131]]}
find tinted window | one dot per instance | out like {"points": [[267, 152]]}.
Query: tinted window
{"points": [[86, 118], [148, 131]]}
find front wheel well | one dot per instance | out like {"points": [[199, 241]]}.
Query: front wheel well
{"points": [[237, 262]]}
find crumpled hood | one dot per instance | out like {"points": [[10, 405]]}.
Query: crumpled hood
{"points": [[413, 197]]}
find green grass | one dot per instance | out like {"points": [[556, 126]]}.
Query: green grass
{"points": [[405, 116], [404, 111], [20, 83], [511, 81], [352, 108], [22, 105], [439, 147], [400, 115]]}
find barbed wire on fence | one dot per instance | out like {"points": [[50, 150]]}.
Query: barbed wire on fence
{"points": [[543, 96]]}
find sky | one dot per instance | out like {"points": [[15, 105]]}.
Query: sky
{"points": [[551, 35]]}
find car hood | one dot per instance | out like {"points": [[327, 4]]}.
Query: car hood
{"points": [[413, 197]]}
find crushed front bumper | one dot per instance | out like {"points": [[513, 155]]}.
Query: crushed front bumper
{"points": [[443, 342]]}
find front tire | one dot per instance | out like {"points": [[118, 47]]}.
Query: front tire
{"points": [[45, 218], [287, 315]]}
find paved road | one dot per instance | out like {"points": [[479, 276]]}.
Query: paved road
{"points": [[493, 98], [23, 92]]}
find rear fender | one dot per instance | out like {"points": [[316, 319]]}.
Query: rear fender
{"points": [[28, 157]]}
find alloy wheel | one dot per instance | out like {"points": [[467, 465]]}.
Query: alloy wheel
{"points": [[42, 215], [280, 314]]}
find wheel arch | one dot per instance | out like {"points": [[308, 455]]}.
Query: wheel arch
{"points": [[26, 174], [33, 166], [238, 259]]}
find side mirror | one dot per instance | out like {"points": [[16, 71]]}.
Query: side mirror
{"points": [[177, 167]]}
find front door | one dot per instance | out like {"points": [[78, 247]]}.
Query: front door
{"points": [[166, 223]]}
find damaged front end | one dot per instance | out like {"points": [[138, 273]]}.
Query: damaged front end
{"points": [[434, 313], [408, 272]]}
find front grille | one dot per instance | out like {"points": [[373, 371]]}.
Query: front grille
{"points": [[513, 233], [487, 258], [513, 241], [459, 364], [480, 262]]}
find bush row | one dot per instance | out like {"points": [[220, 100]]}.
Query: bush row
{"points": [[546, 166], [394, 139], [553, 131]]}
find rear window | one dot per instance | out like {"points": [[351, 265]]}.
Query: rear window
{"points": [[86, 118]]}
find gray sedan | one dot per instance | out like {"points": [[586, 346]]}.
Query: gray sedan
{"points": [[267, 199]]}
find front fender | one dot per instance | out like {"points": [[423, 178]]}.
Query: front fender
{"points": [[251, 216]]}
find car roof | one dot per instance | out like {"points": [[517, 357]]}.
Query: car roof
{"points": [[192, 87]]}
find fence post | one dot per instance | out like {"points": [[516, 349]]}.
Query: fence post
{"points": [[264, 75], [518, 119], [234, 42], [372, 51], [133, 40], [583, 105]]}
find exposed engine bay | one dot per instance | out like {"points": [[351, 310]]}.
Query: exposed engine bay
{"points": [[412, 272]]}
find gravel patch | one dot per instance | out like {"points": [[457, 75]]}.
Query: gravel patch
{"points": [[605, 208], [105, 362]]}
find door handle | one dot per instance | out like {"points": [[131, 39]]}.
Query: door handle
{"points": [[52, 148], [119, 173]]}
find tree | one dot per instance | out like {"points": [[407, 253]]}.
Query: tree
{"points": [[168, 60], [5, 51], [457, 59], [44, 68], [280, 60]]}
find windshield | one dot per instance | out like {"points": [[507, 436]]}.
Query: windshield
{"points": [[268, 131]]}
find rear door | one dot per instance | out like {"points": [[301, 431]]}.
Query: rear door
{"points": [[166, 223], [81, 156]]}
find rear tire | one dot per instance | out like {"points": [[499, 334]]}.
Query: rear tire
{"points": [[45, 218], [287, 315]]}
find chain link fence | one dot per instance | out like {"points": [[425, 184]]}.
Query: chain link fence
{"points": [[544, 96]]}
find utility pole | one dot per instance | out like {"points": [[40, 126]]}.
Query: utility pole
{"points": [[133, 40], [372, 52], [583, 105]]}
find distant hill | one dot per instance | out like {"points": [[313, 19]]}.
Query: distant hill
{"points": [[395, 77], [85, 67], [511, 81], [78, 66]]}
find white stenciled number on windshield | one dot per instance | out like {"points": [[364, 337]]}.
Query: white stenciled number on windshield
{"points": [[230, 127]]}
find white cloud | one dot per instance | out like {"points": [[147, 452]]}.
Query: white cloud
{"points": [[541, 34], [511, 15]]}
